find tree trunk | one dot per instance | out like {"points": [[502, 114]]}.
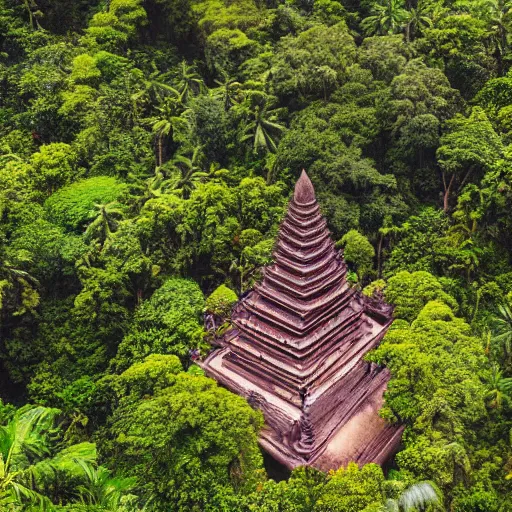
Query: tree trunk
{"points": [[379, 257], [447, 190], [160, 150]]}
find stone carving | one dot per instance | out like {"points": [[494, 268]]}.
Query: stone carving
{"points": [[297, 343]]}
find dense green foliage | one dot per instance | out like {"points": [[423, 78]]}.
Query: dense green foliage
{"points": [[147, 151]]}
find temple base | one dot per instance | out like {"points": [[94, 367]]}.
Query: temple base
{"points": [[360, 435]]}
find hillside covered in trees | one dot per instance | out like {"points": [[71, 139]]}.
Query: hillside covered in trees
{"points": [[148, 149]]}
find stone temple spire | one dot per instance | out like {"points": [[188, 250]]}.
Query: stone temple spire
{"points": [[304, 192], [296, 348]]}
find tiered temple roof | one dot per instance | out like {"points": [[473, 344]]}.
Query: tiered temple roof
{"points": [[296, 350]]}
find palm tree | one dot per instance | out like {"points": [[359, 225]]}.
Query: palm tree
{"points": [[499, 16], [18, 289], [498, 388], [417, 20], [263, 128], [27, 463], [229, 91], [154, 186], [102, 489], [189, 172], [502, 329], [170, 118], [155, 89], [387, 17], [418, 496], [190, 82], [106, 218]]}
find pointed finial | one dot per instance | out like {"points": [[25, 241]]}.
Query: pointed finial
{"points": [[304, 191]]}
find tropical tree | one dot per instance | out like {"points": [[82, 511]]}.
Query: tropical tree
{"points": [[106, 217], [498, 388], [351, 488], [28, 462], [189, 173], [207, 448], [417, 496], [469, 147], [498, 17], [171, 116], [190, 82], [501, 26], [100, 488], [410, 292], [229, 90], [305, 64], [168, 323], [359, 252], [502, 332], [386, 17], [417, 19], [263, 127], [18, 288], [154, 88]]}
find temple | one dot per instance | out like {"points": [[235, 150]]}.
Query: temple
{"points": [[296, 350]]}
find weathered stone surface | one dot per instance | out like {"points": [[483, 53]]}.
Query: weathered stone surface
{"points": [[296, 350]]}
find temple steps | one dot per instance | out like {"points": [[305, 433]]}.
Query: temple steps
{"points": [[309, 243], [296, 232], [303, 223], [324, 250], [336, 271], [304, 309], [306, 211], [302, 320], [301, 348], [299, 269], [305, 289], [317, 375], [302, 368]]}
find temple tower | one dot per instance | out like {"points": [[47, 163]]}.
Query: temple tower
{"points": [[296, 350]]}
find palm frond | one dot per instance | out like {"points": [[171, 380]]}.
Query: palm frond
{"points": [[28, 432], [419, 496], [68, 461]]}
